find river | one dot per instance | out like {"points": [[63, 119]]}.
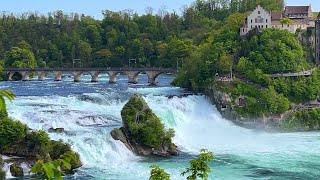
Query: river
{"points": [[89, 111]]}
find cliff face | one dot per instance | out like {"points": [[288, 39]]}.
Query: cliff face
{"points": [[142, 131], [227, 105]]}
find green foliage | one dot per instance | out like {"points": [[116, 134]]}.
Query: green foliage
{"points": [[5, 94], [2, 173], [277, 103], [16, 170], [299, 89], [158, 174], [199, 167], [21, 57], [41, 141], [11, 132], [286, 21], [52, 169], [58, 148], [306, 120], [273, 51], [144, 126], [155, 39]]}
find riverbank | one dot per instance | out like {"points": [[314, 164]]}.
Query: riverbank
{"points": [[299, 118]]}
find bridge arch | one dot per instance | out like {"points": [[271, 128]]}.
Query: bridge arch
{"points": [[13, 74], [25, 75], [152, 75], [112, 76], [133, 76], [94, 75]]}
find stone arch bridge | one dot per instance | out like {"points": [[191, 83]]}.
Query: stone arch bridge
{"points": [[132, 74]]}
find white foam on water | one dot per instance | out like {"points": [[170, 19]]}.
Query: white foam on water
{"points": [[197, 124]]}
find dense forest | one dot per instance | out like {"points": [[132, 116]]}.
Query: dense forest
{"points": [[157, 38]]}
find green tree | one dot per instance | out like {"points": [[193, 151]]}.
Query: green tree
{"points": [[199, 167], [286, 21], [21, 58]]}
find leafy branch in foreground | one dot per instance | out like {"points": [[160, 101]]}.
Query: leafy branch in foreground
{"points": [[199, 167], [9, 95], [158, 174], [54, 169]]}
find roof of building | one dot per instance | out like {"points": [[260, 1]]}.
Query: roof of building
{"points": [[276, 15], [297, 9]]}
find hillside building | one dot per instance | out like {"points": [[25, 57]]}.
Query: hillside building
{"points": [[259, 18]]}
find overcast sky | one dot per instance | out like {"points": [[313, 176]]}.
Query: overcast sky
{"points": [[94, 7]]}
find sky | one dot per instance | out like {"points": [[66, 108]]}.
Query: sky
{"points": [[95, 7]]}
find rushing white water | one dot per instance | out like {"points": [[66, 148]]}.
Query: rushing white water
{"points": [[89, 117]]}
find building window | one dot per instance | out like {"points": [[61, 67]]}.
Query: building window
{"points": [[251, 26], [259, 12], [288, 25], [251, 20], [266, 20], [266, 26], [259, 20]]}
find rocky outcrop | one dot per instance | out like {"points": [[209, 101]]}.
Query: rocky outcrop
{"points": [[16, 170], [142, 131], [227, 104], [2, 173]]}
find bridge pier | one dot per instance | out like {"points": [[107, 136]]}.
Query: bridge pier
{"points": [[94, 76], [57, 75], [132, 76], [112, 76], [10, 74], [25, 75], [41, 75], [152, 75], [77, 75]]}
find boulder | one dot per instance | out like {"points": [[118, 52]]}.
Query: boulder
{"points": [[56, 130], [118, 134], [16, 170]]}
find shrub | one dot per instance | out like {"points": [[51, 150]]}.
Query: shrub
{"points": [[11, 132], [58, 148], [39, 141]]}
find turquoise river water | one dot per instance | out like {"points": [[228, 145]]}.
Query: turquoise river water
{"points": [[89, 111]]}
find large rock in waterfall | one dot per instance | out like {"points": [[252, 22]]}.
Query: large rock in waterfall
{"points": [[142, 131]]}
